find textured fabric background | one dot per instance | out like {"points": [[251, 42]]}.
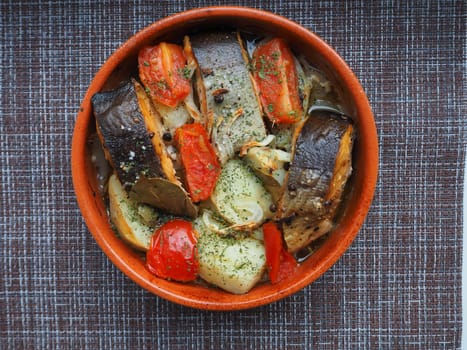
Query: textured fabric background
{"points": [[397, 287]]}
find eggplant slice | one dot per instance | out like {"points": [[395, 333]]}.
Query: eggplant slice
{"points": [[321, 166], [226, 93], [122, 131]]}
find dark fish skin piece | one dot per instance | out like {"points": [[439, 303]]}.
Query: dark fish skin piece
{"points": [[312, 167], [320, 168], [228, 100], [123, 133]]}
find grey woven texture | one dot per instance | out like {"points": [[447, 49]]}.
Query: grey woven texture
{"points": [[397, 287]]}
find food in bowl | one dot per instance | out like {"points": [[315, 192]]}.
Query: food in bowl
{"points": [[219, 173]]}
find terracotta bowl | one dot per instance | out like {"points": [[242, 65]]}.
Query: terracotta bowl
{"points": [[123, 62]]}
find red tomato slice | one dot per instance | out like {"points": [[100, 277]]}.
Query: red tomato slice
{"points": [[161, 70], [279, 261], [199, 159], [273, 248], [276, 78], [173, 253], [287, 266]]}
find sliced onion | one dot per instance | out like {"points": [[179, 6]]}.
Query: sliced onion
{"points": [[213, 225], [266, 141], [192, 109], [172, 151], [250, 205], [283, 156], [223, 144]]}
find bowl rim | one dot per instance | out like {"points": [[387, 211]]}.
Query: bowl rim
{"points": [[100, 227]]}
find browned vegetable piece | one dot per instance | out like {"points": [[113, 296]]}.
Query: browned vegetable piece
{"points": [[321, 165]]}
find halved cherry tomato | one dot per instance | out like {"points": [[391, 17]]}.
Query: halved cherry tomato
{"points": [[199, 159], [276, 78], [279, 261], [173, 253], [161, 69]]}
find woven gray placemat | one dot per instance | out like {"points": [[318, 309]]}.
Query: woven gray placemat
{"points": [[397, 287]]}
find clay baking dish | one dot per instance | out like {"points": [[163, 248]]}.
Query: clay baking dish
{"points": [[319, 54]]}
